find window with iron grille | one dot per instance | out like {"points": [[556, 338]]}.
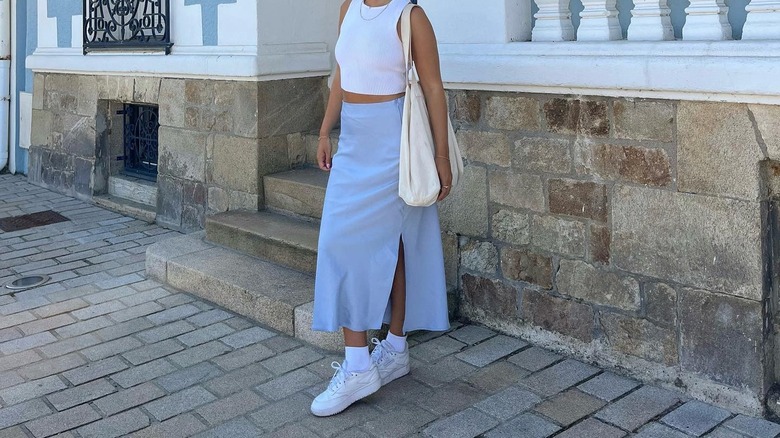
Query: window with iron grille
{"points": [[127, 25], [141, 124]]}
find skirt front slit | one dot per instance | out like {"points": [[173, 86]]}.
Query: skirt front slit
{"points": [[363, 220]]}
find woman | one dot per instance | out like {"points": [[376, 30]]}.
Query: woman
{"points": [[379, 260]]}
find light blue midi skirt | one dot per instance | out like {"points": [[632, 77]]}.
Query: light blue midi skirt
{"points": [[363, 219]]}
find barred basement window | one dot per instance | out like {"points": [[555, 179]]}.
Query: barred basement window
{"points": [[141, 124], [127, 25]]}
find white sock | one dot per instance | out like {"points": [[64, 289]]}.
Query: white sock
{"points": [[397, 342], [357, 359]]}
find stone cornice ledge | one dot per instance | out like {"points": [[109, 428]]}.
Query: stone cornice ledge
{"points": [[237, 63], [725, 71]]}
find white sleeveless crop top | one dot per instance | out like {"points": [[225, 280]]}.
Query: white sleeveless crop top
{"points": [[369, 51]]}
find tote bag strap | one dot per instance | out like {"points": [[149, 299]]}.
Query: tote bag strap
{"points": [[406, 40]]}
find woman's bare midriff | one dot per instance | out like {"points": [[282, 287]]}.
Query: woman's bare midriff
{"points": [[368, 98]]}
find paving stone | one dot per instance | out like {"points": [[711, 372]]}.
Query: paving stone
{"points": [[497, 376], [441, 372], [45, 324], [143, 373], [472, 334], [240, 428], [16, 319], [178, 403], [18, 360], [13, 432], [291, 360], [451, 398], [69, 345], [230, 407], [491, 350], [465, 424], [80, 394], [638, 408], [200, 353], [187, 377], [695, 418], [118, 425], [9, 379], [526, 426], [63, 421], [30, 390], [166, 331], [144, 297], [26, 343], [153, 351], [109, 295], [95, 370], [592, 428], [608, 386], [358, 413], [289, 383], [508, 403], [173, 314], [559, 377], [403, 391], [176, 299], [755, 427], [724, 432], [437, 348], [237, 380], [657, 430], [209, 317], [119, 281], [289, 409], [22, 412], [135, 311], [97, 310], [181, 426], [568, 407], [246, 337], [205, 334], [8, 334], [128, 398], [22, 305], [291, 431], [83, 327], [111, 348], [280, 344], [535, 358], [243, 357]]}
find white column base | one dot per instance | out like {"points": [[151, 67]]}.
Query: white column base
{"points": [[653, 28], [706, 28], [763, 21], [599, 29]]}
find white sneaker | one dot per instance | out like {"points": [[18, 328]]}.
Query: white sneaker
{"points": [[391, 364], [346, 387]]}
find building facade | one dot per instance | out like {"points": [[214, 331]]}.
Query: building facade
{"points": [[622, 158]]}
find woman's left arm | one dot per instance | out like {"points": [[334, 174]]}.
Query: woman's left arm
{"points": [[425, 53]]}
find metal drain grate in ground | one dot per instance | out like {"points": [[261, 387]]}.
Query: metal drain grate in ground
{"points": [[26, 221]]}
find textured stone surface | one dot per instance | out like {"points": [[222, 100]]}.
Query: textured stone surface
{"points": [[708, 322], [563, 316], [608, 386], [468, 106], [558, 235], [686, 242], [757, 427], [695, 417], [512, 227], [634, 164], [569, 406], [468, 423], [525, 425], [637, 408], [508, 403], [573, 116], [559, 377], [661, 303], [535, 358], [491, 350], [512, 113], [717, 150], [576, 198], [526, 266], [182, 153], [492, 296], [517, 190], [485, 147], [465, 211], [599, 241], [235, 163], [640, 337], [644, 120], [581, 280], [540, 154], [481, 257], [766, 117]]}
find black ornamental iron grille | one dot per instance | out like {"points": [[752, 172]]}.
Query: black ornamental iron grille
{"points": [[141, 124], [127, 24]]}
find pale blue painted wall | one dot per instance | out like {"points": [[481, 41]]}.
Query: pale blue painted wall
{"points": [[26, 42], [210, 18]]}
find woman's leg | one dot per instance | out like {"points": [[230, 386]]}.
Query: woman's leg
{"points": [[398, 295], [354, 339]]}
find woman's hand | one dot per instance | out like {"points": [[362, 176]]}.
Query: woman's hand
{"points": [[324, 153], [444, 169]]}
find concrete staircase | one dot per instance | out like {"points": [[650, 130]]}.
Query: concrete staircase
{"points": [[258, 264]]}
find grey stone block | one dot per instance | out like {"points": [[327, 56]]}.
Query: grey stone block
{"points": [[435, 349], [181, 426], [696, 418], [535, 358], [657, 430], [84, 327], [592, 428], [559, 377], [291, 360], [472, 334], [465, 211], [29, 390], [143, 373], [80, 394], [448, 399], [46, 324], [608, 386], [491, 350], [300, 191], [304, 315], [289, 409], [18, 360], [200, 353], [111, 348], [238, 380], [180, 402], [334, 426], [569, 407], [136, 311], [118, 425], [129, 398], [239, 428], [205, 334], [166, 331], [724, 432], [581, 280], [153, 351], [22, 412], [209, 317], [26, 343], [464, 424], [172, 314], [247, 337], [508, 403], [287, 384], [9, 379], [187, 377], [51, 366], [497, 376], [242, 357], [69, 345], [401, 421], [62, 421], [756, 427], [441, 372], [230, 407], [98, 309], [638, 408], [95, 370], [526, 426]]}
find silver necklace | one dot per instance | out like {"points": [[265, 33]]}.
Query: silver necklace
{"points": [[375, 16]]}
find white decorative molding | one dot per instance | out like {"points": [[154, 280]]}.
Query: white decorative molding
{"points": [[553, 21], [650, 21], [469, 21], [707, 20], [599, 21], [763, 20], [727, 71]]}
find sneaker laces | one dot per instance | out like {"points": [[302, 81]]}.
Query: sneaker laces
{"points": [[380, 352], [339, 377]]}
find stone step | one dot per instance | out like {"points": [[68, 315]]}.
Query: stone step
{"points": [[271, 236], [299, 192], [133, 189], [273, 295], [127, 207]]}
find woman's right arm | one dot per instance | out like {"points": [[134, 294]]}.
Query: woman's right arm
{"points": [[333, 110]]}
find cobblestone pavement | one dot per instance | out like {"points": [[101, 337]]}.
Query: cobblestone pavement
{"points": [[101, 351]]}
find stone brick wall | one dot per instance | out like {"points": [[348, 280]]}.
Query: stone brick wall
{"points": [[629, 232], [216, 140]]}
